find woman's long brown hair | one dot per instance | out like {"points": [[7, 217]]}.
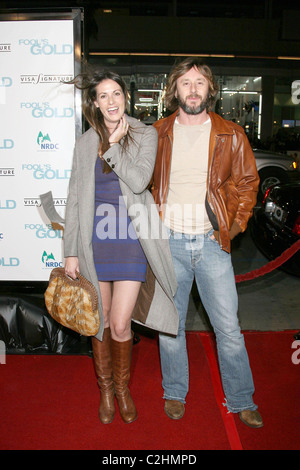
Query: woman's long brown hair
{"points": [[87, 82]]}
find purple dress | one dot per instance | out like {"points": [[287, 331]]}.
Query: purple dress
{"points": [[118, 255]]}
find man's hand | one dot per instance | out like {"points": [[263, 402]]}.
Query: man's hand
{"points": [[235, 230], [216, 235]]}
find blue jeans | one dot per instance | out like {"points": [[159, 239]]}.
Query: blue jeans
{"points": [[200, 257]]}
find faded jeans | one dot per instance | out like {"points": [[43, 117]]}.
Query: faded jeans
{"points": [[200, 257]]}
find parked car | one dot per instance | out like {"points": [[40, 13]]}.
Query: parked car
{"points": [[275, 226], [274, 168]]}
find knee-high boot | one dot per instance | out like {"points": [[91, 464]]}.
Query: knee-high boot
{"points": [[121, 357], [103, 368]]}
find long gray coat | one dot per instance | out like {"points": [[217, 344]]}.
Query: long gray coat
{"points": [[134, 167]]}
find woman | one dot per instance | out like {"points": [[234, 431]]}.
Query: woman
{"points": [[112, 167]]}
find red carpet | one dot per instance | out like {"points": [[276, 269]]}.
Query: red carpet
{"points": [[51, 402]]}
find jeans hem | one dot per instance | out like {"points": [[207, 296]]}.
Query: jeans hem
{"points": [[238, 409], [169, 397]]}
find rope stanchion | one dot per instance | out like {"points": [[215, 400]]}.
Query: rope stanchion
{"points": [[274, 264]]}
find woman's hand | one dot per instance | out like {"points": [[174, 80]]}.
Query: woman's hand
{"points": [[71, 266], [119, 132]]}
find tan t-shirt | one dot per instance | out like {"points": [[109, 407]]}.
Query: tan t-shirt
{"points": [[185, 209]]}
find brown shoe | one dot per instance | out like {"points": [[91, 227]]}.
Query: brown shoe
{"points": [[251, 418], [121, 360], [174, 409], [103, 368]]}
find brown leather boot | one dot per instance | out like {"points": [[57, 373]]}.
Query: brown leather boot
{"points": [[103, 369], [121, 357]]}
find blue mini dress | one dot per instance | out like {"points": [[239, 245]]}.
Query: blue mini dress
{"points": [[118, 254]]}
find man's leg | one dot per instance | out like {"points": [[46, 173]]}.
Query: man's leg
{"points": [[173, 352], [216, 284]]}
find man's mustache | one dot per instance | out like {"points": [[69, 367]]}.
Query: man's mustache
{"points": [[194, 95]]}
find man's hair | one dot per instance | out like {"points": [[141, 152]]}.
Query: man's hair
{"points": [[180, 69]]}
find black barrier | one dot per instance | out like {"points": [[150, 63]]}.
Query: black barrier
{"points": [[27, 328]]}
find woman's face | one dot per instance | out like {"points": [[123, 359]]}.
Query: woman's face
{"points": [[110, 100]]}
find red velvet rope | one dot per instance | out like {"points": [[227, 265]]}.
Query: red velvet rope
{"points": [[267, 268]]}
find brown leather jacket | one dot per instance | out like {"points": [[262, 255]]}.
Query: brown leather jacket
{"points": [[232, 178]]}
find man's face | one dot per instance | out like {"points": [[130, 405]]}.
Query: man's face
{"points": [[192, 92]]}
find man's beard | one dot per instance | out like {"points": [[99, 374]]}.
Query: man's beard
{"points": [[193, 110]]}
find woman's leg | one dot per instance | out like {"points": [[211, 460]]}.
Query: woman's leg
{"points": [[124, 297], [106, 298], [103, 360]]}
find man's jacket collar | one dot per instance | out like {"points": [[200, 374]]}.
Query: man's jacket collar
{"points": [[219, 125]]}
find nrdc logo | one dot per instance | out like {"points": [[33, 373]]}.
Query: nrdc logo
{"points": [[44, 142], [49, 261]]}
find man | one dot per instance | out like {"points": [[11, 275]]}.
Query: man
{"points": [[205, 184]]}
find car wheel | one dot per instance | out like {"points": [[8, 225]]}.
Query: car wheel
{"points": [[269, 176]]}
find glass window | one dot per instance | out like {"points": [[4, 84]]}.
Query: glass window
{"points": [[286, 122], [146, 96], [239, 100]]}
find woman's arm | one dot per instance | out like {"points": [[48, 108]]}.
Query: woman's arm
{"points": [[135, 172]]}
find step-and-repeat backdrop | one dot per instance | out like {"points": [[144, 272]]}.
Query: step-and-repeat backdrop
{"points": [[37, 137]]}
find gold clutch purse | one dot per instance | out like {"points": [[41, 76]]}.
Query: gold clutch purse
{"points": [[73, 302]]}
